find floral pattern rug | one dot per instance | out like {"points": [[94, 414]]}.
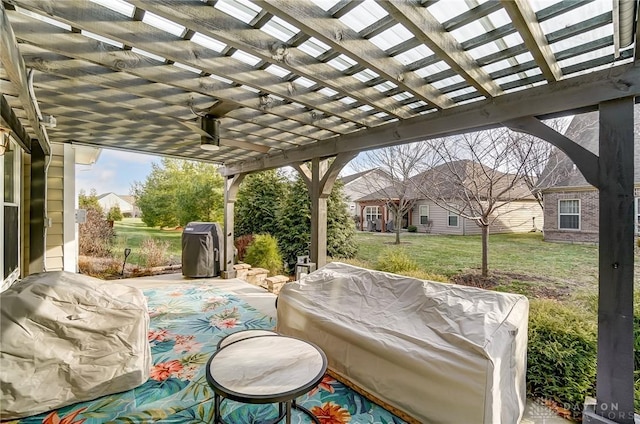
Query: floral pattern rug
{"points": [[187, 321]]}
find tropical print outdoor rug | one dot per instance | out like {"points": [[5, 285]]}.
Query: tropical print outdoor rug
{"points": [[187, 321]]}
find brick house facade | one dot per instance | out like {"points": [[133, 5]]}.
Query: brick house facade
{"points": [[571, 205], [587, 231]]}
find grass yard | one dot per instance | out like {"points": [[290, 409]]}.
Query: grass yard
{"points": [[131, 232], [522, 263]]}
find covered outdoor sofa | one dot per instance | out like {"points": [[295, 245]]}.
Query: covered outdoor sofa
{"points": [[441, 353]]}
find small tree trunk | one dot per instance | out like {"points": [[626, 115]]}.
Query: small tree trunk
{"points": [[485, 250], [397, 224]]}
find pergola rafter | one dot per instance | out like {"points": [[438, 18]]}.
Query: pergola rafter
{"points": [[310, 81], [346, 41], [431, 33], [525, 21]]}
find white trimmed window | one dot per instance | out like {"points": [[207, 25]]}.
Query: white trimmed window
{"points": [[452, 220], [569, 214], [424, 214], [10, 220], [637, 204], [372, 213]]}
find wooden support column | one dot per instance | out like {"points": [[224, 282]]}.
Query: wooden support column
{"points": [[614, 387], [612, 172], [37, 209], [319, 180], [318, 248], [231, 186]]}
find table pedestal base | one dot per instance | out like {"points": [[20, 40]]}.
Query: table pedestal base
{"points": [[284, 411]]}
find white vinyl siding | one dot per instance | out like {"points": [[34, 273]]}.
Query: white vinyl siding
{"points": [[569, 214], [55, 210]]}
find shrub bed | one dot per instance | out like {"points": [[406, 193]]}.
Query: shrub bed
{"points": [[561, 354]]}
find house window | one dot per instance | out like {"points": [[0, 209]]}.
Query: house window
{"points": [[569, 214], [637, 226], [453, 219], [10, 168], [424, 214], [372, 213]]}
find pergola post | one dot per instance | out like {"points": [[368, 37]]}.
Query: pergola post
{"points": [[614, 386], [231, 186], [37, 208], [612, 172], [319, 180]]}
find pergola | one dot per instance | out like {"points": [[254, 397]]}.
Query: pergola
{"points": [[254, 85]]}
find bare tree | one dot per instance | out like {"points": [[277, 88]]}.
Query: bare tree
{"points": [[397, 191], [544, 164], [474, 175]]}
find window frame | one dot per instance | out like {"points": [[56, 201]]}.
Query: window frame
{"points": [[450, 215], [420, 214], [368, 214], [13, 202], [578, 214], [636, 204]]}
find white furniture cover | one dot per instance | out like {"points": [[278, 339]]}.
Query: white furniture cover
{"points": [[68, 338], [440, 352]]}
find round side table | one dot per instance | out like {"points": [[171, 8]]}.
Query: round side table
{"points": [[243, 334], [266, 369]]}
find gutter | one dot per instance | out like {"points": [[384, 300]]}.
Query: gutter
{"points": [[624, 16], [41, 122]]}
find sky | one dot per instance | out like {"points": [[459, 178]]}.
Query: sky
{"points": [[114, 171]]}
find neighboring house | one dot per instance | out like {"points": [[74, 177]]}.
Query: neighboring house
{"points": [[571, 205], [362, 184], [126, 203], [521, 214]]}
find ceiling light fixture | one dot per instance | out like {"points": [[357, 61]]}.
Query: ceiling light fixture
{"points": [[212, 127]]}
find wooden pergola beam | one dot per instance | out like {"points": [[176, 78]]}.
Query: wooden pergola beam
{"points": [[174, 48], [74, 45], [13, 64], [562, 97], [344, 40], [10, 119], [524, 20], [70, 80], [585, 160], [426, 28], [226, 29]]}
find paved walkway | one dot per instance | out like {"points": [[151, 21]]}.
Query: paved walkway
{"points": [[264, 301]]}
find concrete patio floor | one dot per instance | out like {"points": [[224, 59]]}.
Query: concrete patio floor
{"points": [[264, 302]]}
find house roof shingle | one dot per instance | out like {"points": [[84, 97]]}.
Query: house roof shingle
{"points": [[584, 130], [473, 174]]}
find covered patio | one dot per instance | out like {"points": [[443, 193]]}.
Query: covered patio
{"points": [[254, 85]]}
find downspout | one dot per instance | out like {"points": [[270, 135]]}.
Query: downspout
{"points": [[34, 101], [624, 13]]}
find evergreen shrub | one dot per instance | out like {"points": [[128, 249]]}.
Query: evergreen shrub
{"points": [[396, 261], [264, 253], [561, 354], [412, 229]]}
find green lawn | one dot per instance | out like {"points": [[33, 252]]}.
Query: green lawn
{"points": [[516, 260], [130, 232], [520, 262]]}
